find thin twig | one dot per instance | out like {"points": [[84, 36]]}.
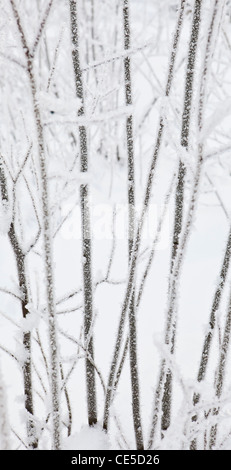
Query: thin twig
{"points": [[41, 28]]}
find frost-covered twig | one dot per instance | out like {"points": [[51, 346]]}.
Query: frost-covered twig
{"points": [[41, 28], [10, 320], [39, 377], [19, 438], [155, 242], [122, 361], [13, 60], [9, 353], [218, 152], [16, 178], [68, 296], [65, 218], [70, 310], [119, 427], [86, 354], [145, 275], [146, 114], [218, 197], [113, 247], [37, 236], [214, 310], [54, 61], [119, 56], [9, 292], [67, 401], [39, 342]]}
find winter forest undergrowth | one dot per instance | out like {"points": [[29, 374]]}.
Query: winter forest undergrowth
{"points": [[115, 224]]}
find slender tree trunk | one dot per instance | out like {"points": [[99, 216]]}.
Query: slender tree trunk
{"points": [[48, 258], [220, 374], [86, 229], [93, 48], [212, 322], [179, 204], [225, 265], [49, 276], [131, 232], [27, 367], [137, 238]]}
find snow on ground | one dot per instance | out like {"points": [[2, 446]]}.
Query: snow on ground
{"points": [[88, 439]]}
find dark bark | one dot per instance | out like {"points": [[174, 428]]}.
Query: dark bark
{"points": [[225, 264], [131, 281], [27, 366], [131, 229], [20, 259], [179, 203], [138, 234], [47, 249], [158, 393], [220, 373], [212, 320], [144, 277], [86, 230]]}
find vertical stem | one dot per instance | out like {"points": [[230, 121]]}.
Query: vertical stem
{"points": [[131, 230], [212, 322], [179, 203], [93, 49], [27, 366], [48, 258], [225, 265], [212, 319], [47, 248], [137, 238], [220, 375], [85, 218], [67, 401]]}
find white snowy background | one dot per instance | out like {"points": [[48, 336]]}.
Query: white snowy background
{"points": [[152, 27]]}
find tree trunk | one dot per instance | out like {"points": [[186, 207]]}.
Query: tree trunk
{"points": [[138, 234], [47, 248], [179, 204], [27, 368], [86, 229], [131, 232], [225, 265]]}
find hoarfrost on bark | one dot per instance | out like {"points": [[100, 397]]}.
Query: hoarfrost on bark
{"points": [[115, 134]]}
